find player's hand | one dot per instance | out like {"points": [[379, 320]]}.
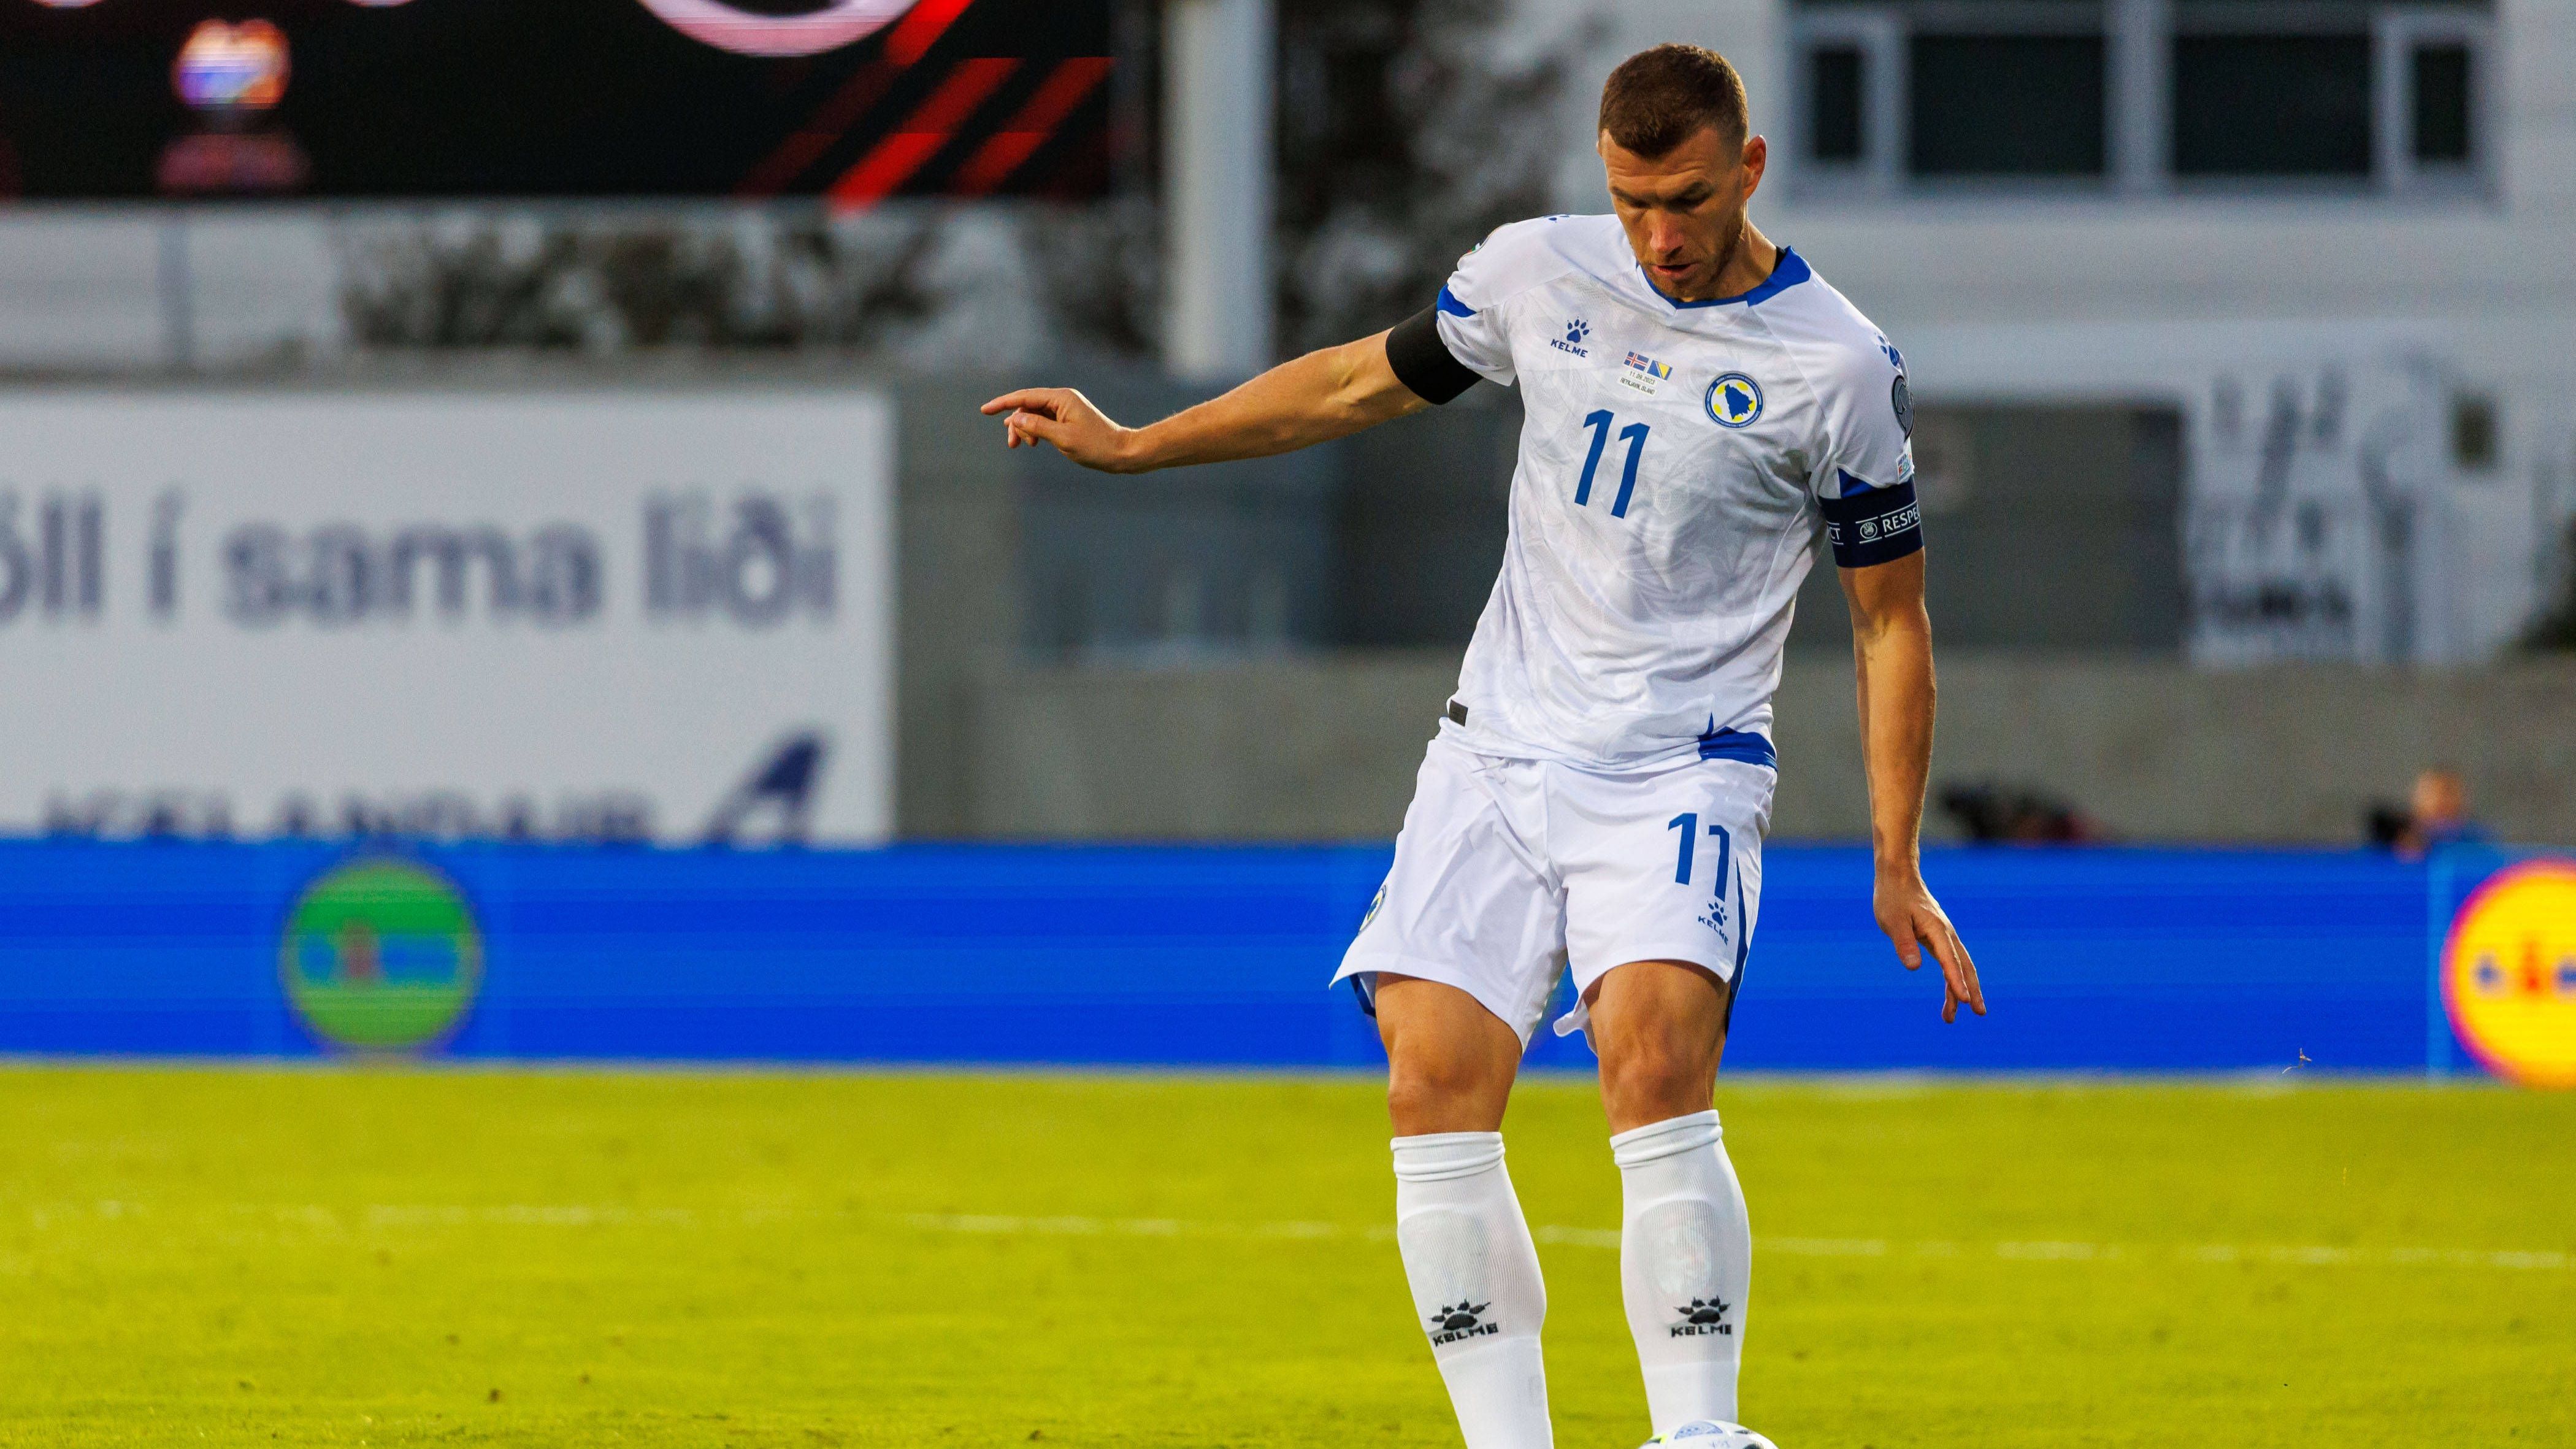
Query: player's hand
{"points": [[1070, 421], [1915, 922]]}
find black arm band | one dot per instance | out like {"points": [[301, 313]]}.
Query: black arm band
{"points": [[1422, 361], [1870, 526]]}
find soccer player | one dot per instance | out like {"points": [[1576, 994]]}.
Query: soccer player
{"points": [[1702, 412]]}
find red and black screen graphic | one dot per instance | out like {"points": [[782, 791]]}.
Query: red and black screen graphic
{"points": [[853, 100]]}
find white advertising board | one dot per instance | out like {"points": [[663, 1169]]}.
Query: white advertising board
{"points": [[560, 616]]}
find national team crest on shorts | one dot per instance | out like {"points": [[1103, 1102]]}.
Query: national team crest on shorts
{"points": [[1734, 400]]}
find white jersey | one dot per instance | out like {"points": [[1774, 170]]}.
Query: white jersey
{"points": [[1679, 465]]}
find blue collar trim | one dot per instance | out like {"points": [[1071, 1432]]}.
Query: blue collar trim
{"points": [[1788, 272]]}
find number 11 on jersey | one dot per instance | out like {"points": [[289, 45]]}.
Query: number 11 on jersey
{"points": [[1688, 824], [1634, 435]]}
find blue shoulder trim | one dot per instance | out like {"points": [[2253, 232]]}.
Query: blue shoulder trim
{"points": [[1450, 304], [1788, 272], [1752, 749]]}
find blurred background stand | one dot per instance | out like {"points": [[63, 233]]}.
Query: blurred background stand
{"points": [[2237, 338]]}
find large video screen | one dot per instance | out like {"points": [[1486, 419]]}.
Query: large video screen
{"points": [[855, 100]]}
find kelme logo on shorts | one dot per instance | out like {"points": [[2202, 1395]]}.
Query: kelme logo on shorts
{"points": [[381, 955]]}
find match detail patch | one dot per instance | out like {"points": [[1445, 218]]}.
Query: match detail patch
{"points": [[1871, 525]]}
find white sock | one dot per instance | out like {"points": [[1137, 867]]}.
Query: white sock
{"points": [[1476, 1287], [1685, 1261]]}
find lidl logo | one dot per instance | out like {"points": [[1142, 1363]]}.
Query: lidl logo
{"points": [[2509, 973], [381, 955]]}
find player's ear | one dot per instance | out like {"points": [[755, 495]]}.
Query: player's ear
{"points": [[1757, 156]]}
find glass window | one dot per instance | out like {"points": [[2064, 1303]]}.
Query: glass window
{"points": [[2006, 105], [2271, 105], [1834, 103], [2473, 432], [2442, 102]]}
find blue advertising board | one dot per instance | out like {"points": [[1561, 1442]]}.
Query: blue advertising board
{"points": [[2093, 959]]}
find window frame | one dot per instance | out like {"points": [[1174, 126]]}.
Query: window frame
{"points": [[2138, 40], [1879, 33], [2396, 31]]}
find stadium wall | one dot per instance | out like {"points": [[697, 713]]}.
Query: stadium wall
{"points": [[1326, 748], [2131, 960], [1001, 740]]}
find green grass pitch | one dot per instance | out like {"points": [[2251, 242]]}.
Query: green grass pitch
{"points": [[561, 1258]]}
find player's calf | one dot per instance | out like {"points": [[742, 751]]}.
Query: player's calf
{"points": [[1685, 1263], [1685, 1244], [1477, 1294]]}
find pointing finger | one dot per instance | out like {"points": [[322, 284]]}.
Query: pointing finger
{"points": [[1026, 399]]}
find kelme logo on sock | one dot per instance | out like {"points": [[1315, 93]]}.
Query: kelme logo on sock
{"points": [[1464, 1320], [1702, 1317]]}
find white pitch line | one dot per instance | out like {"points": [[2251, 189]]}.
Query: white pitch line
{"points": [[380, 1216], [1608, 1238]]}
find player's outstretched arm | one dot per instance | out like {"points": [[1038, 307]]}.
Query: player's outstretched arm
{"points": [[1316, 398], [1892, 648]]}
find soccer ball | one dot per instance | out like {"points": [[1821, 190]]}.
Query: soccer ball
{"points": [[1710, 1434]]}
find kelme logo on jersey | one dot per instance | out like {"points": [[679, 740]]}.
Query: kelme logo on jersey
{"points": [[1734, 401], [381, 955], [1575, 332]]}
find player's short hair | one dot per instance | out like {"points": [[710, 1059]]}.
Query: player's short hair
{"points": [[1661, 97]]}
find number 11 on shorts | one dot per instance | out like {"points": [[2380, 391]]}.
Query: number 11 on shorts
{"points": [[1688, 824]]}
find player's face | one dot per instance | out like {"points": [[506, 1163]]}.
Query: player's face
{"points": [[1684, 210]]}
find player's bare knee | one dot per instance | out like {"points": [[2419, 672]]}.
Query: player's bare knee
{"points": [[1424, 1081], [1656, 1075], [1433, 1085]]}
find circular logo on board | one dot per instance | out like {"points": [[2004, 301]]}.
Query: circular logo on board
{"points": [[381, 955], [1734, 400], [778, 27], [2509, 973]]}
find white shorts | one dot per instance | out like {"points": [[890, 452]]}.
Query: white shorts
{"points": [[1510, 871]]}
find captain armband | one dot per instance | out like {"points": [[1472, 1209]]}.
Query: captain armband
{"points": [[1870, 526], [1422, 361]]}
